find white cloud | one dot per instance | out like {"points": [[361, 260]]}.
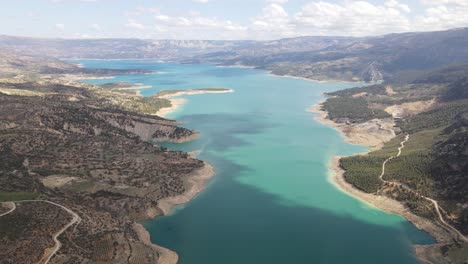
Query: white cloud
{"points": [[398, 5], [440, 17], [445, 2], [274, 22], [132, 24], [281, 2], [358, 18], [201, 1], [142, 11], [60, 26], [196, 22], [96, 27], [318, 17]]}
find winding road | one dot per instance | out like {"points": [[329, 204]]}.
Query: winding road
{"points": [[438, 209], [13, 207], [75, 220]]}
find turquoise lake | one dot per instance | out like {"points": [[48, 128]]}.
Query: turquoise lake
{"points": [[271, 200]]}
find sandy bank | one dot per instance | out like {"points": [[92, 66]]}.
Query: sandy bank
{"points": [[193, 92], [372, 134], [375, 139], [176, 103], [196, 182], [336, 176], [166, 256], [136, 87], [310, 79], [73, 77]]}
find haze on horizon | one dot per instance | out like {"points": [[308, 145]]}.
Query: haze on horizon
{"points": [[227, 19]]}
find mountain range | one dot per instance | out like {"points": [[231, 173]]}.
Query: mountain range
{"points": [[394, 57]]}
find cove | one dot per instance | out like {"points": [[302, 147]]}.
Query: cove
{"points": [[271, 200]]}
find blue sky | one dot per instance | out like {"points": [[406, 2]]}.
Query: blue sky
{"points": [[226, 19]]}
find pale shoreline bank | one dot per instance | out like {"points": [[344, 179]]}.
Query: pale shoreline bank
{"points": [[355, 135], [176, 102], [336, 177], [286, 75], [311, 80], [194, 184]]}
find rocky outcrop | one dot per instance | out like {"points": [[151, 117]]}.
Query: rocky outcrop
{"points": [[372, 73]]}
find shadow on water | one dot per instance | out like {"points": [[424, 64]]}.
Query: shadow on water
{"points": [[217, 227], [222, 130], [232, 222]]}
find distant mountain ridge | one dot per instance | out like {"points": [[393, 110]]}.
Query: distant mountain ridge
{"points": [[114, 48], [390, 57]]}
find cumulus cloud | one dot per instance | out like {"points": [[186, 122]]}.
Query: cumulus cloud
{"points": [[317, 17], [358, 18], [443, 17], [274, 22], [398, 5]]}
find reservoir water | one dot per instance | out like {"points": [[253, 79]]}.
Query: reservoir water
{"points": [[271, 200]]}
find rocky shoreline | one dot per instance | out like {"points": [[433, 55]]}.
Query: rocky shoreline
{"points": [[195, 183]]}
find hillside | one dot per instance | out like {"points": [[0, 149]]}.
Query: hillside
{"points": [[388, 57], [433, 111], [91, 150]]}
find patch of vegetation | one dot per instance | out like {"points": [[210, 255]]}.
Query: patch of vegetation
{"points": [[354, 109], [413, 167], [133, 103], [363, 171], [17, 196], [370, 89], [457, 90], [146, 105], [435, 118], [457, 252], [433, 163]]}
